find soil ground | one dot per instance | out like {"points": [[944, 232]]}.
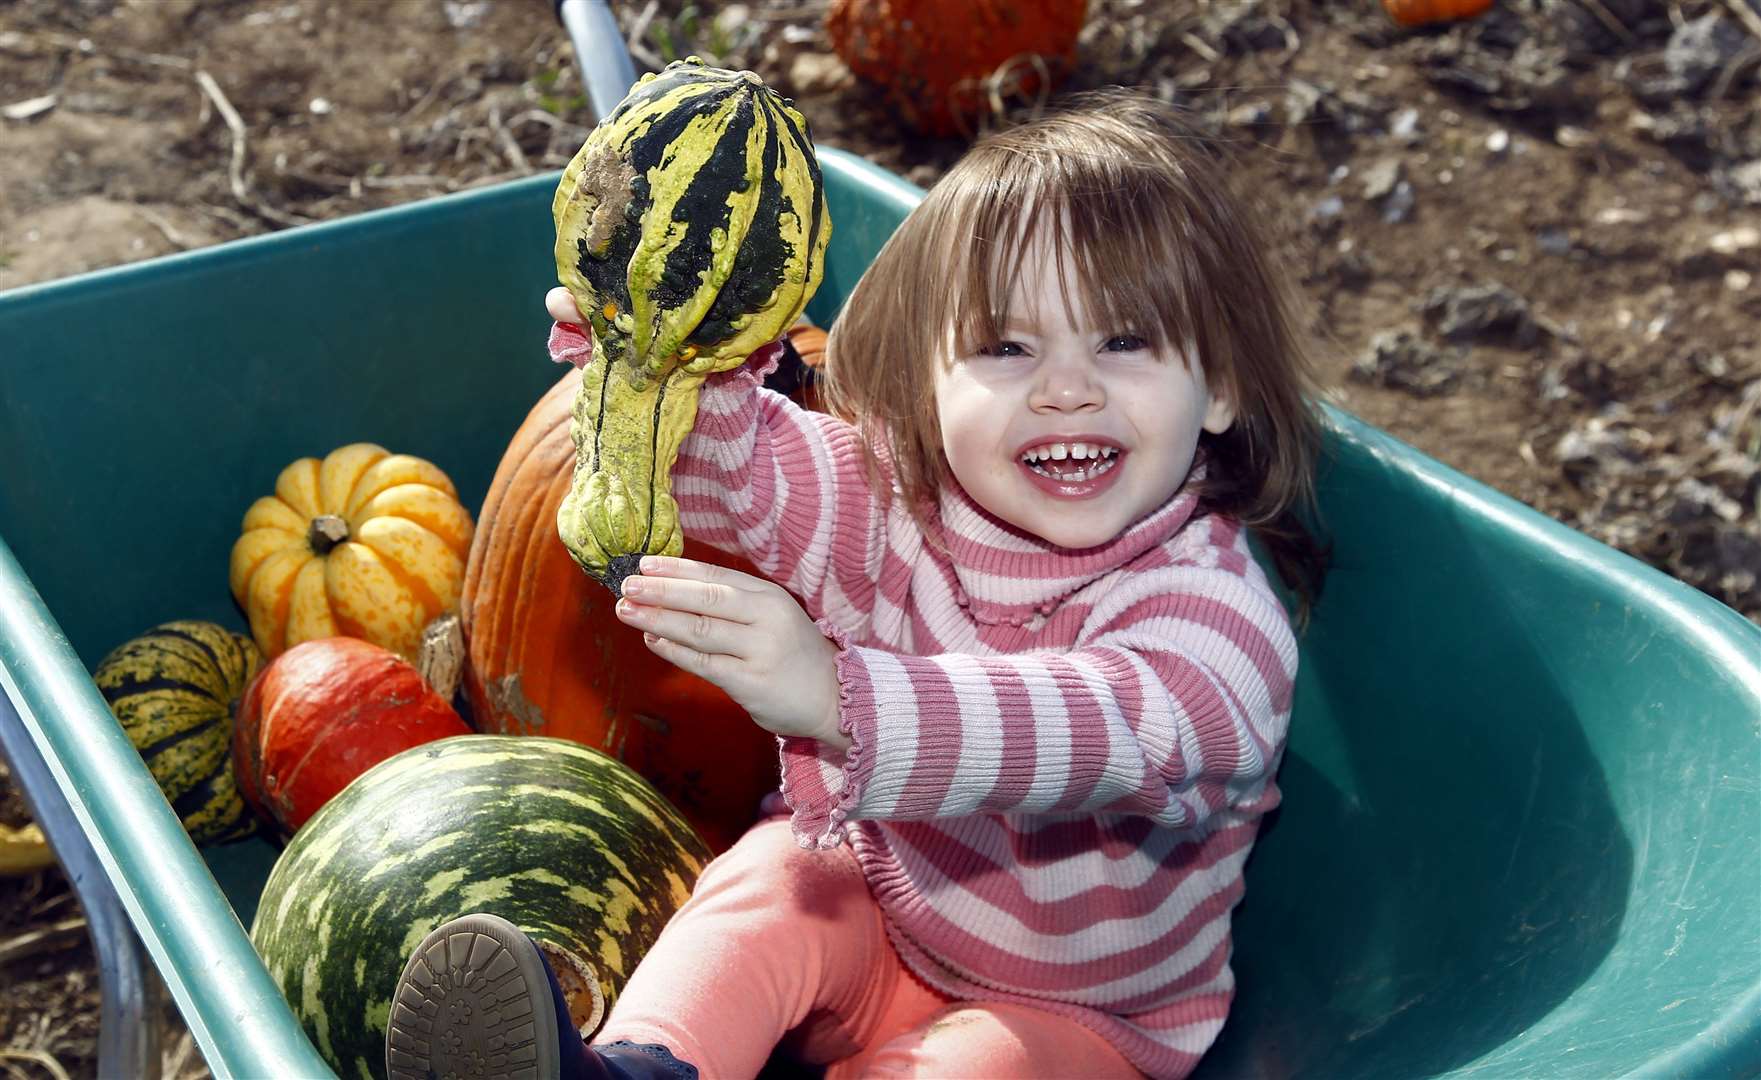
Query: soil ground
{"points": [[1528, 243]]}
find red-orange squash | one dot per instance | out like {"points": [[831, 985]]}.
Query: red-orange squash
{"points": [[933, 57], [323, 713], [1421, 12], [548, 657]]}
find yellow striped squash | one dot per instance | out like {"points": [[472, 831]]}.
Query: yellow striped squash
{"points": [[365, 544]]}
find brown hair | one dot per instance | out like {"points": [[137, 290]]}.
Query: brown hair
{"points": [[1137, 200]]}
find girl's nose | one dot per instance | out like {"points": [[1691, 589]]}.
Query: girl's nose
{"points": [[1067, 384]]}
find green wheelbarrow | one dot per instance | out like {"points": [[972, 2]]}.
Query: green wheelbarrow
{"points": [[1522, 823]]}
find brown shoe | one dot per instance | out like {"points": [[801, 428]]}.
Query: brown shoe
{"points": [[474, 1000], [478, 999]]}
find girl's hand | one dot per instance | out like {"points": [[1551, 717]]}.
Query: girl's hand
{"points": [[745, 635], [562, 307]]}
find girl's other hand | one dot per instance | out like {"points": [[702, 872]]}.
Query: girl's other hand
{"points": [[745, 635], [562, 307]]}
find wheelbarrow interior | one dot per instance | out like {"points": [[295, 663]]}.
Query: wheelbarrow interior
{"points": [[1522, 789]]}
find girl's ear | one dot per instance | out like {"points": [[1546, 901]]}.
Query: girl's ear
{"points": [[1220, 414]]}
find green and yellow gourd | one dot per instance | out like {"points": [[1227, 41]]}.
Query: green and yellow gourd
{"points": [[175, 691], [691, 230]]}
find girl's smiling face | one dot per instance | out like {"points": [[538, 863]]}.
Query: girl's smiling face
{"points": [[1065, 429]]}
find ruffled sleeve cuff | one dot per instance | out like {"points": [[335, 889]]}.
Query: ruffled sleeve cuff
{"points": [[749, 376], [569, 344], [822, 785]]}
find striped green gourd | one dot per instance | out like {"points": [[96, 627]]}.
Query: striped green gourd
{"points": [[557, 838], [175, 691], [691, 229]]}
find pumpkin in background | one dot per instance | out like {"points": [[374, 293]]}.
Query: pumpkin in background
{"points": [[323, 713], [1422, 12], [175, 690], [933, 57], [365, 544], [548, 656]]}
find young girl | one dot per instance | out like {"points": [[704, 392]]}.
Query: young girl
{"points": [[1034, 688]]}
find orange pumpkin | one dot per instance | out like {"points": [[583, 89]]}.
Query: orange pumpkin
{"points": [[548, 657], [1421, 12], [808, 342], [933, 57]]}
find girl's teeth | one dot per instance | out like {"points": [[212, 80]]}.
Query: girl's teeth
{"points": [[1063, 451], [1079, 475]]}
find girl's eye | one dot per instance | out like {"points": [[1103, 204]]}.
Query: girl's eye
{"points": [[1002, 348], [1125, 343]]}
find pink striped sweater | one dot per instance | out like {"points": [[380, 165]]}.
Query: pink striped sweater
{"points": [[1059, 758]]}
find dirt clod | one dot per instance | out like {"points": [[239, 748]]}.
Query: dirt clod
{"points": [[1404, 360], [1491, 312]]}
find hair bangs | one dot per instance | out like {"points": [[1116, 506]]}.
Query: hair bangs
{"points": [[1116, 274], [1137, 277], [1005, 220]]}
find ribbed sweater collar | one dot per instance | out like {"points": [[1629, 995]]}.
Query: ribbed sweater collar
{"points": [[1005, 575]]}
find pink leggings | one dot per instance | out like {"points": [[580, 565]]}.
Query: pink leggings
{"points": [[779, 945]]}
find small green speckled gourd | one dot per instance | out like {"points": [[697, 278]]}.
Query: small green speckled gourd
{"points": [[691, 229], [175, 691]]}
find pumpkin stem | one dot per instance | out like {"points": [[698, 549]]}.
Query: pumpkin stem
{"points": [[579, 981], [326, 532], [619, 568], [442, 655]]}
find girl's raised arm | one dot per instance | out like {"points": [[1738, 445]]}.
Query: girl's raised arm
{"points": [[1173, 706], [784, 487]]}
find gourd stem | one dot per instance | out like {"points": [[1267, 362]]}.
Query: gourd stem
{"points": [[326, 532]]}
